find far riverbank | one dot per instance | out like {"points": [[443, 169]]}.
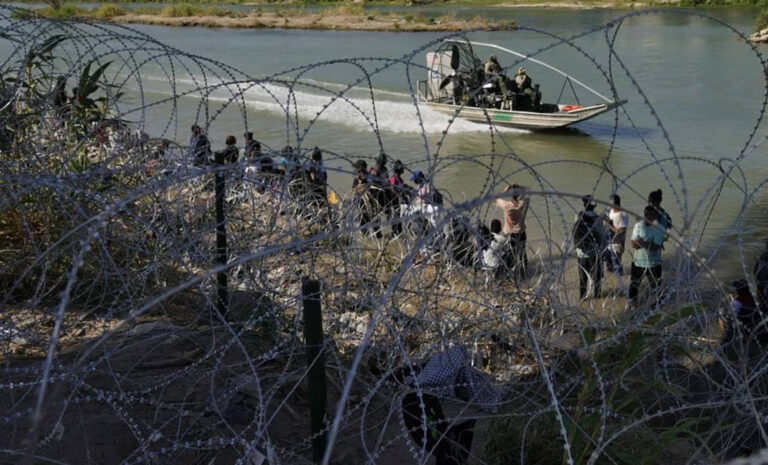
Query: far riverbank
{"points": [[346, 17], [316, 21], [450, 16]]}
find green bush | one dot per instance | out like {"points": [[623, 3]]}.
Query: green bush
{"points": [[535, 441], [107, 11], [762, 20], [182, 10], [177, 11], [66, 11], [630, 359]]}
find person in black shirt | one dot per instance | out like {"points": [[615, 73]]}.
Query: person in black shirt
{"points": [[230, 153], [199, 147]]}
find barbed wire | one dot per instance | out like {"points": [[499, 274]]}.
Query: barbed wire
{"points": [[117, 346]]}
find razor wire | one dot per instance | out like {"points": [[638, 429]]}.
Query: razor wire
{"points": [[114, 349]]}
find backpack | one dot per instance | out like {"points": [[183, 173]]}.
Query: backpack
{"points": [[437, 197], [585, 234]]}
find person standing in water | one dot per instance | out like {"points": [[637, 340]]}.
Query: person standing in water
{"points": [[647, 240], [617, 223], [589, 239], [665, 221], [515, 209]]}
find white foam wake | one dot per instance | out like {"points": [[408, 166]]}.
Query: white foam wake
{"points": [[330, 103]]}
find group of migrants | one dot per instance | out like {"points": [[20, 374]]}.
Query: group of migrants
{"points": [[600, 241], [383, 198], [306, 180]]}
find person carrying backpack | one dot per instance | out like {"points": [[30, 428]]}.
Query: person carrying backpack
{"points": [[589, 238], [664, 220]]}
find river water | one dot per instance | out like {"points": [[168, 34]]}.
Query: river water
{"points": [[695, 94]]}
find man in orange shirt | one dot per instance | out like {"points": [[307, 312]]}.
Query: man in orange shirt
{"points": [[515, 210]]}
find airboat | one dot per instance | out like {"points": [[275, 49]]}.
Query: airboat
{"points": [[457, 86]]}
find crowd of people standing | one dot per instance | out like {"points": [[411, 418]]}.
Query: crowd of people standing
{"points": [[599, 239]]}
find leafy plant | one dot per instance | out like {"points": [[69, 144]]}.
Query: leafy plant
{"points": [[107, 11], [761, 22], [628, 382]]}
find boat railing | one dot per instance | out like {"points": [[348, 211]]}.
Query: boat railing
{"points": [[569, 79]]}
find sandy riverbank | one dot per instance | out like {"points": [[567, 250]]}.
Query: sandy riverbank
{"points": [[321, 20]]}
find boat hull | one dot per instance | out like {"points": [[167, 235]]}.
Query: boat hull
{"points": [[523, 119]]}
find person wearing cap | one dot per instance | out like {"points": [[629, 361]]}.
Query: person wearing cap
{"points": [[617, 222], [589, 240], [199, 149], [423, 188], [647, 240], [493, 73], [492, 66], [523, 81], [527, 97], [744, 325]]}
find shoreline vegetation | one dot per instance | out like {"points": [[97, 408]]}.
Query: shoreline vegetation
{"points": [[336, 16], [341, 17]]}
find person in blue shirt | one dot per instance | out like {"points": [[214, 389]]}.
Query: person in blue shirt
{"points": [[647, 240]]}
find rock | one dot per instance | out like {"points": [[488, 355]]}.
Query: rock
{"points": [[349, 327], [12, 335], [760, 36]]}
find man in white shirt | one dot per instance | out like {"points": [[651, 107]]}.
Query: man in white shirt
{"points": [[617, 224]]}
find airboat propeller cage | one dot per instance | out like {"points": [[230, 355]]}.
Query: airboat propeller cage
{"points": [[456, 64], [440, 71], [455, 43]]}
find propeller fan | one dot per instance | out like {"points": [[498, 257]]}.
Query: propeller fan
{"points": [[455, 58], [455, 62]]}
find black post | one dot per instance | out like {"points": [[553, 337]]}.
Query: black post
{"points": [[222, 302], [313, 336]]}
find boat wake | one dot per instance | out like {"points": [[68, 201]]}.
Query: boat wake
{"points": [[316, 102]]}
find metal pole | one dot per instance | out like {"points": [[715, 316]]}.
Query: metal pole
{"points": [[222, 302], [313, 336]]}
